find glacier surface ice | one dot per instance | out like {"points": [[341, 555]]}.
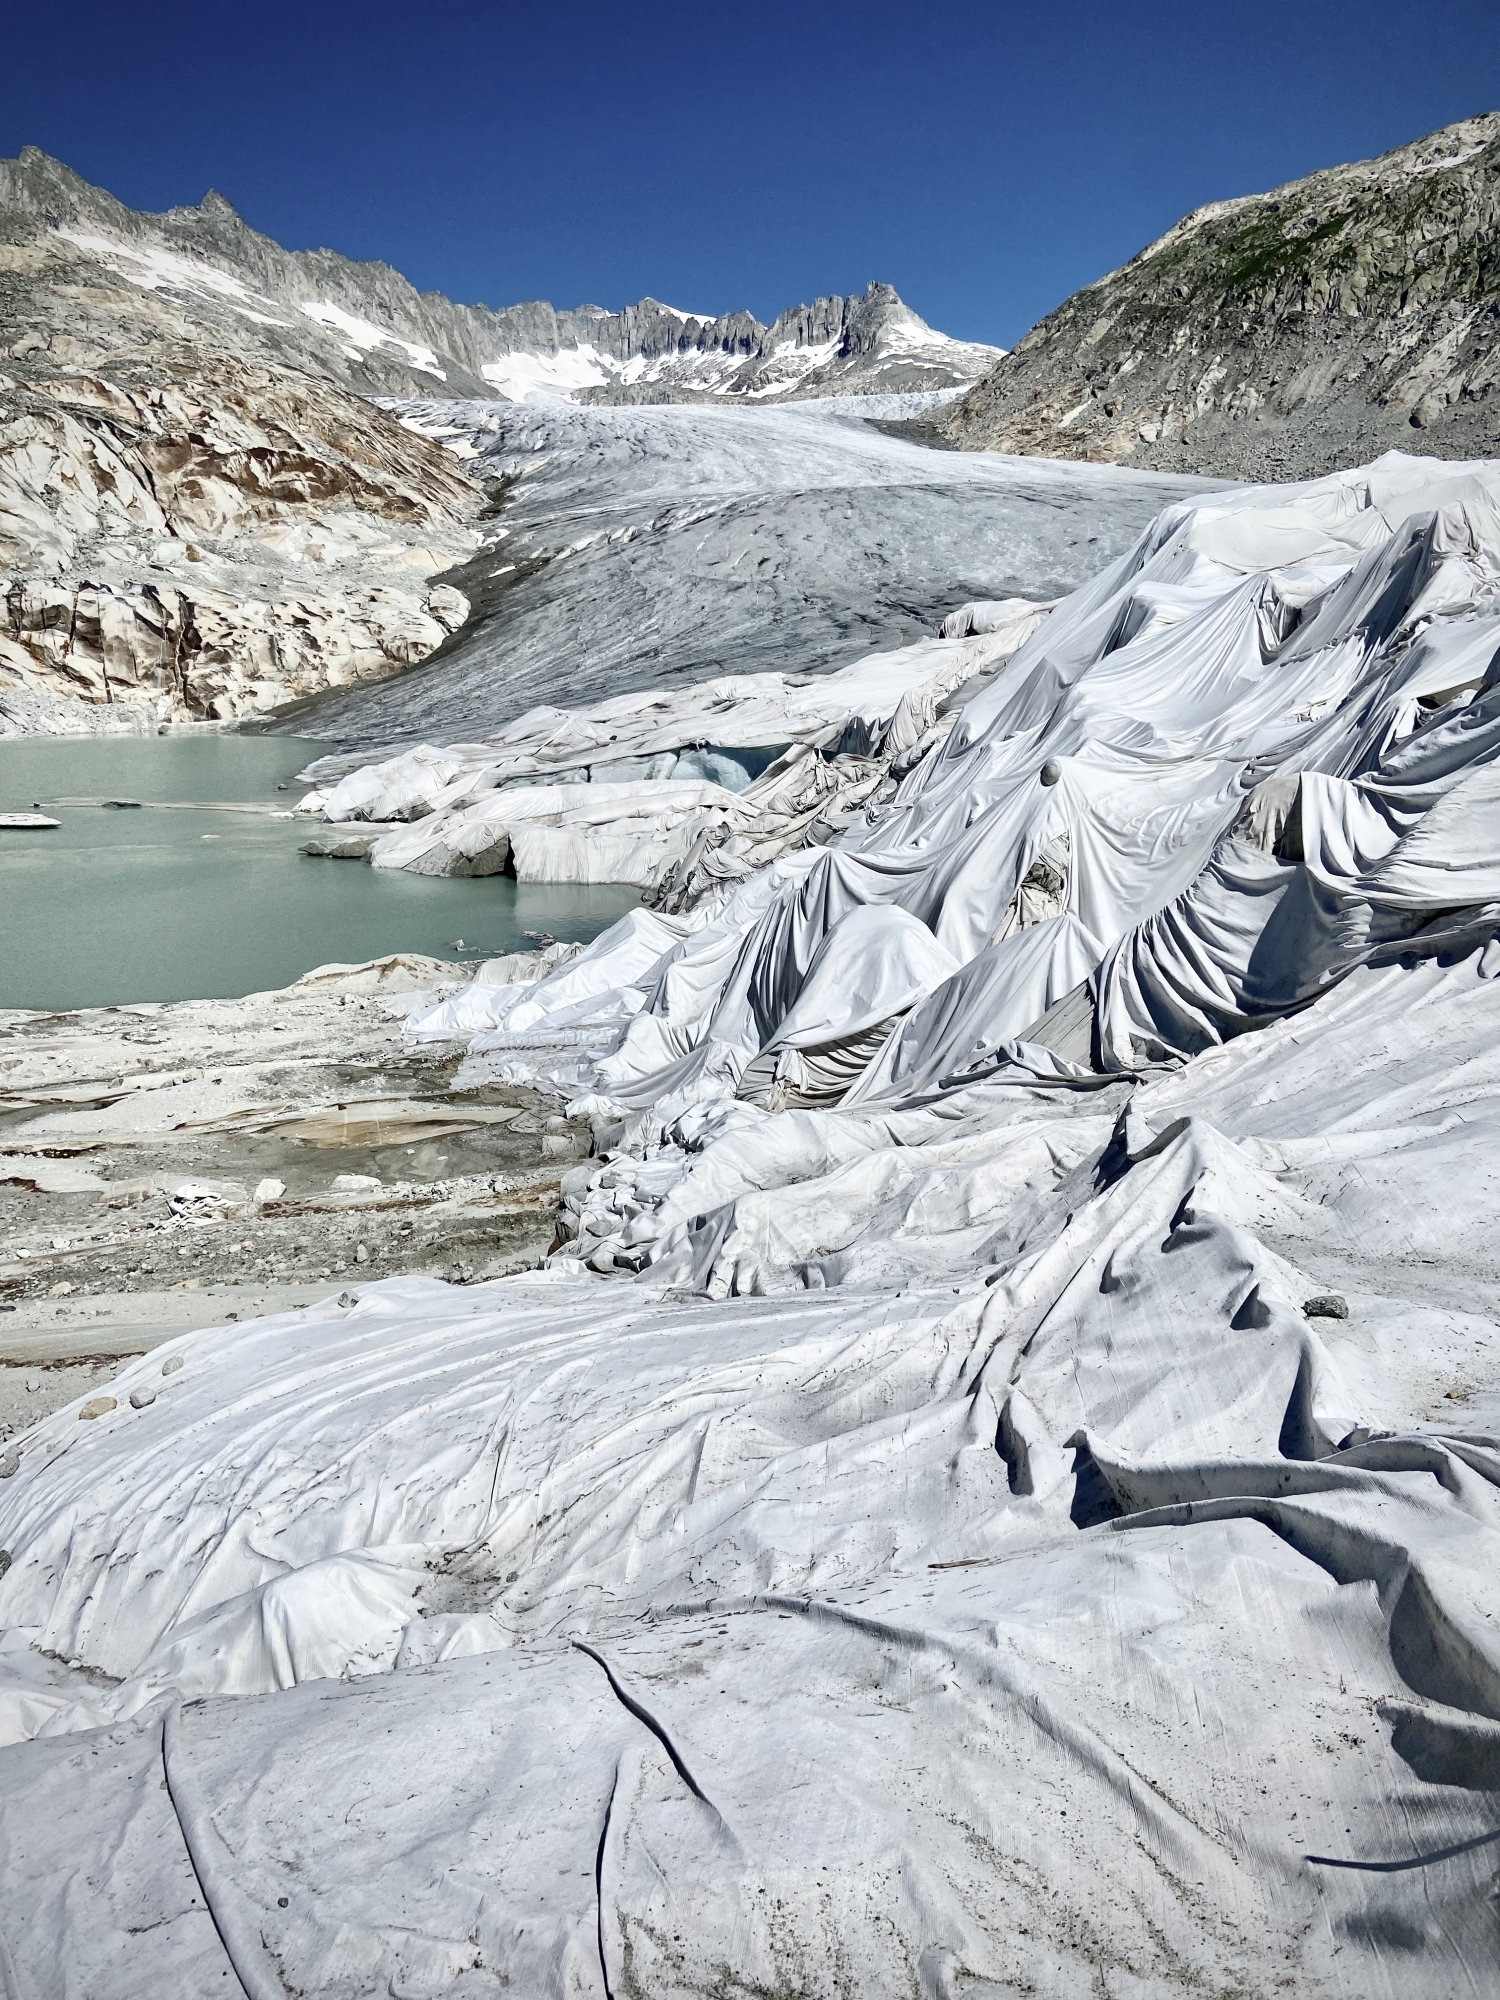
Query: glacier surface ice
{"points": [[690, 787], [656, 547]]}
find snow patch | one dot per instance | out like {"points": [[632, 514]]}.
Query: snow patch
{"points": [[363, 336], [549, 377], [154, 268], [910, 336]]}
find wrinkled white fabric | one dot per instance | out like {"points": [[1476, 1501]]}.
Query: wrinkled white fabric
{"points": [[876, 963], [1030, 1527], [557, 833], [732, 711], [608, 975], [990, 1001]]}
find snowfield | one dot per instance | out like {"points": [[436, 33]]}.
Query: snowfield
{"points": [[996, 1492]]}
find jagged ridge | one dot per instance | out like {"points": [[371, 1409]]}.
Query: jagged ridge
{"points": [[81, 276]]}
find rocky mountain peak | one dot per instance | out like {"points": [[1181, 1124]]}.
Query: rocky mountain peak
{"points": [[215, 206]]}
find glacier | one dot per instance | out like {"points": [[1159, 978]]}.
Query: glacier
{"points": [[656, 547], [992, 1492]]}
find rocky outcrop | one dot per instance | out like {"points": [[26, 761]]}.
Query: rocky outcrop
{"points": [[208, 548], [1280, 335], [206, 655]]}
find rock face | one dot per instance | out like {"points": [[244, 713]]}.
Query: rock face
{"points": [[217, 546], [83, 277], [1281, 335], [197, 278], [196, 522]]}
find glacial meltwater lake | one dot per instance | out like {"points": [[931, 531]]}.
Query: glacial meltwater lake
{"points": [[180, 901]]}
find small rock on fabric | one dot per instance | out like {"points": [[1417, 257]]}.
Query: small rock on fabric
{"points": [[1327, 1305]]}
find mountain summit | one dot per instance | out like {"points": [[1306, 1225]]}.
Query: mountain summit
{"points": [[86, 279], [1279, 335]]}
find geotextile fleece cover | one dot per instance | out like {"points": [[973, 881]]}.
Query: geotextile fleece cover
{"points": [[1029, 1527]]}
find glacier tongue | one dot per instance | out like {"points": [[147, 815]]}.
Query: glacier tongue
{"points": [[655, 548], [1016, 1518]]}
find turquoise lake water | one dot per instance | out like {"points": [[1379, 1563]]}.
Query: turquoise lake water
{"points": [[117, 906]]}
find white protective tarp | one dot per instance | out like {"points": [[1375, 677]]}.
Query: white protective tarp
{"points": [[669, 727], [556, 833], [1030, 1527], [990, 1001]]}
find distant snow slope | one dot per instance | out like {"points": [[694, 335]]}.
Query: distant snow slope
{"points": [[651, 547]]}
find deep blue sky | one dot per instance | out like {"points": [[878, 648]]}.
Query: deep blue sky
{"points": [[986, 160]]}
